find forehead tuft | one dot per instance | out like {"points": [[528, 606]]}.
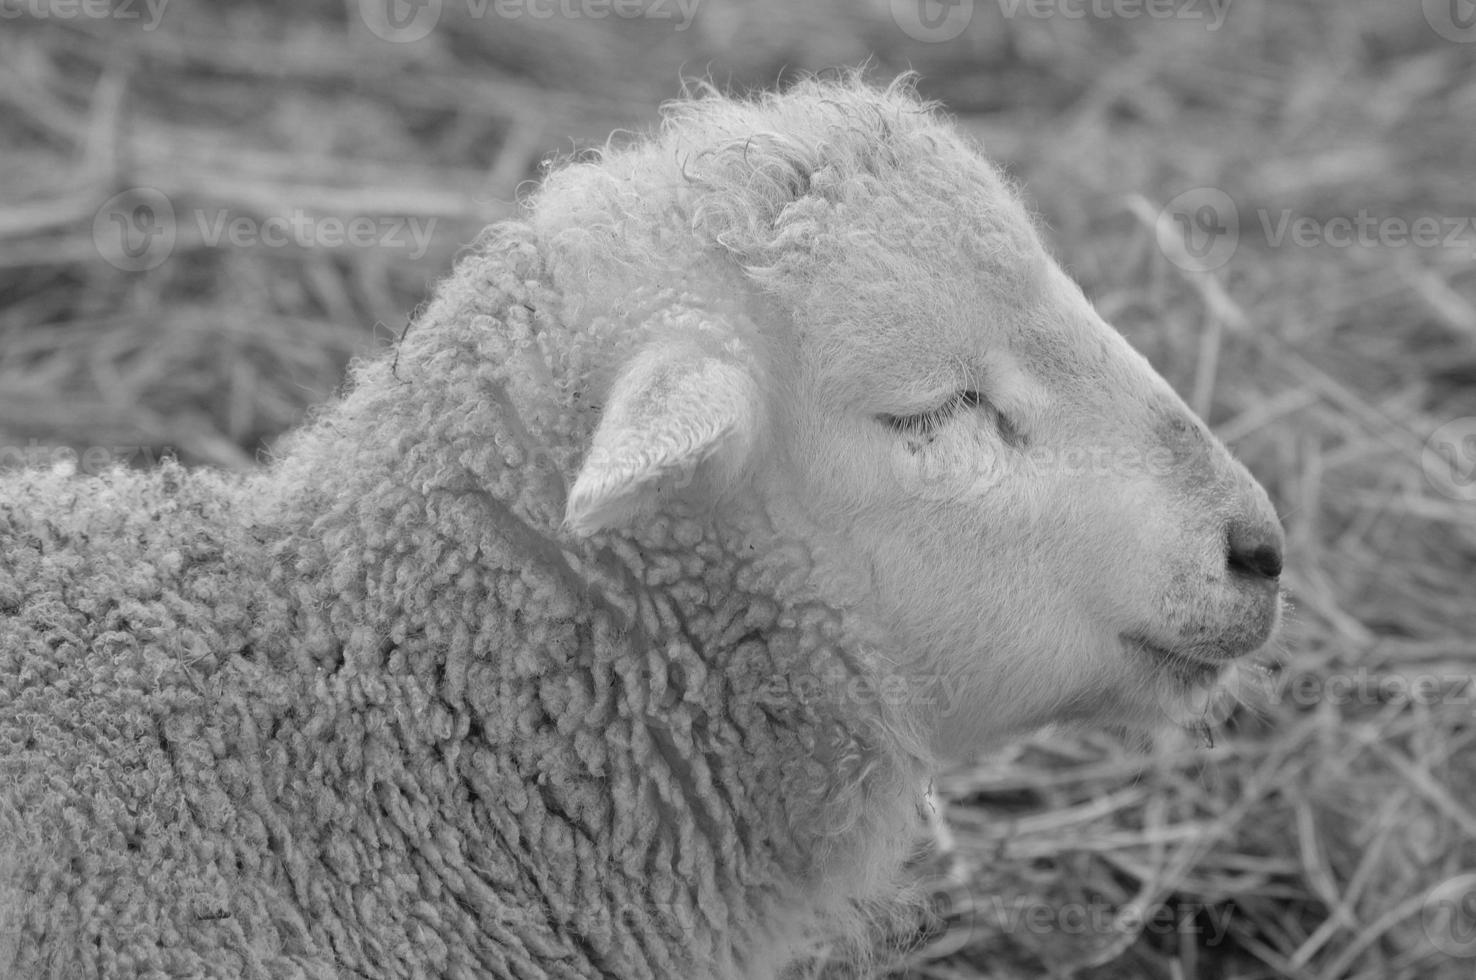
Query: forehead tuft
{"points": [[842, 173], [847, 125], [864, 212], [901, 250]]}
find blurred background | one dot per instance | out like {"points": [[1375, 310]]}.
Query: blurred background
{"points": [[207, 208]]}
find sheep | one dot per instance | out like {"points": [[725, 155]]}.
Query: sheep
{"points": [[610, 625]]}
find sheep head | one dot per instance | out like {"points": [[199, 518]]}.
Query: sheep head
{"points": [[890, 362]]}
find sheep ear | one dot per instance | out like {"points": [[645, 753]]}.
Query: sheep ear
{"points": [[670, 411]]}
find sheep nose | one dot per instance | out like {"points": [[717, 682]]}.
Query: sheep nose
{"points": [[1255, 549]]}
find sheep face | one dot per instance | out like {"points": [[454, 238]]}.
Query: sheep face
{"points": [[1048, 529], [987, 472]]}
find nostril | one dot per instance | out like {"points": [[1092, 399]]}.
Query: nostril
{"points": [[1254, 552], [1265, 560]]}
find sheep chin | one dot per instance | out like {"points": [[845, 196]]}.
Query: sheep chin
{"points": [[1205, 701]]}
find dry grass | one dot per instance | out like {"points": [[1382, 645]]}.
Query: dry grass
{"points": [[1320, 837]]}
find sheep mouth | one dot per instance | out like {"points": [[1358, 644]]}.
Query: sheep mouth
{"points": [[1192, 667]]}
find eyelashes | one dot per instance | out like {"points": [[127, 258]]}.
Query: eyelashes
{"points": [[924, 425]]}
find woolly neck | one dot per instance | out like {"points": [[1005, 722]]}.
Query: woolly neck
{"points": [[667, 716]]}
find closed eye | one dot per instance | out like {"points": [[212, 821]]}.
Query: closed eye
{"points": [[925, 424]]}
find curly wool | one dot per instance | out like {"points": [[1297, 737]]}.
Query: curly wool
{"points": [[372, 712]]}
